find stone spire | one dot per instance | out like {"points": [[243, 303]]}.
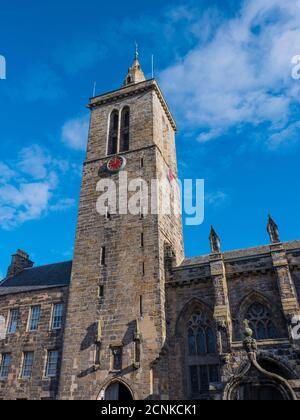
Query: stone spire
{"points": [[273, 231], [215, 244], [135, 73]]}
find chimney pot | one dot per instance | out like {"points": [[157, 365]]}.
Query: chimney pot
{"points": [[20, 261]]}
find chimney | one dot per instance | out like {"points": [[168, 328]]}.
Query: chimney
{"points": [[20, 261]]}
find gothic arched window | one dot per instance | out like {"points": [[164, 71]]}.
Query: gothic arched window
{"points": [[125, 127], [201, 337], [261, 323], [113, 133]]}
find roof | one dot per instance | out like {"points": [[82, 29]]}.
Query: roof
{"points": [[38, 278], [242, 253]]}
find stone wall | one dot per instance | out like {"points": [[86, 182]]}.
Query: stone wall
{"points": [[249, 279], [38, 386]]}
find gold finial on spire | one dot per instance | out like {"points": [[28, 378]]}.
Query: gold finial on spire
{"points": [[135, 73]]}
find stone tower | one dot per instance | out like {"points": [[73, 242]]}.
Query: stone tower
{"points": [[116, 326]]}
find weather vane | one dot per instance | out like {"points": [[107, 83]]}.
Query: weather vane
{"points": [[136, 49]]}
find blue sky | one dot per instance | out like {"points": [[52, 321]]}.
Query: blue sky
{"points": [[225, 68]]}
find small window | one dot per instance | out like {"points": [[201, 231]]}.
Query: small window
{"points": [[57, 318], [13, 321], [101, 292], [5, 366], [142, 240], [103, 256], [107, 213], [117, 353], [27, 365], [35, 315], [141, 306], [52, 364]]}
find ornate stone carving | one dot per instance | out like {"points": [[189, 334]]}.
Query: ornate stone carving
{"points": [[273, 231], [215, 243]]}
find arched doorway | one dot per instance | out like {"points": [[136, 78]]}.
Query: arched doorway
{"points": [[117, 391], [258, 392]]}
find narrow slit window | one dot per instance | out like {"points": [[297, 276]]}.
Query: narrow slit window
{"points": [[141, 306], [142, 240], [108, 215], [103, 256], [101, 292]]}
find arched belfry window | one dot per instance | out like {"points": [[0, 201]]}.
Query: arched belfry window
{"points": [[125, 129], [113, 133], [201, 336], [261, 322]]}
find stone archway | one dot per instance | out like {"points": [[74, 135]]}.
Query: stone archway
{"points": [[254, 382], [117, 391]]}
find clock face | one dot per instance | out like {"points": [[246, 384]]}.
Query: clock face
{"points": [[116, 164]]}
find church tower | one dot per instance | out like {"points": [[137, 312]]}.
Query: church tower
{"points": [[116, 322]]}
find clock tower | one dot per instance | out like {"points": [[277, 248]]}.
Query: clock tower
{"points": [[116, 319]]}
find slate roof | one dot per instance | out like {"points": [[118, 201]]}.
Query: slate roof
{"points": [[242, 253], [38, 278]]}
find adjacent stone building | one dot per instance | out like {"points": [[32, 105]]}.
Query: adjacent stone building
{"points": [[130, 317]]}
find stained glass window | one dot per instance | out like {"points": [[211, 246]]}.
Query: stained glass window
{"points": [[201, 337], [261, 323]]}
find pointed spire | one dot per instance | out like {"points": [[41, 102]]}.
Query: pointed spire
{"points": [[135, 73], [273, 231], [215, 244]]}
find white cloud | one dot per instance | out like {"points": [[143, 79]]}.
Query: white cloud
{"points": [[33, 161], [63, 204], [75, 133], [241, 73], [6, 173], [216, 198], [30, 192]]}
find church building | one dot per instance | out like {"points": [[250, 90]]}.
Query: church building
{"points": [[131, 318]]}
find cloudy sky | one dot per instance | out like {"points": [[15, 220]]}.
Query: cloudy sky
{"points": [[226, 69]]}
